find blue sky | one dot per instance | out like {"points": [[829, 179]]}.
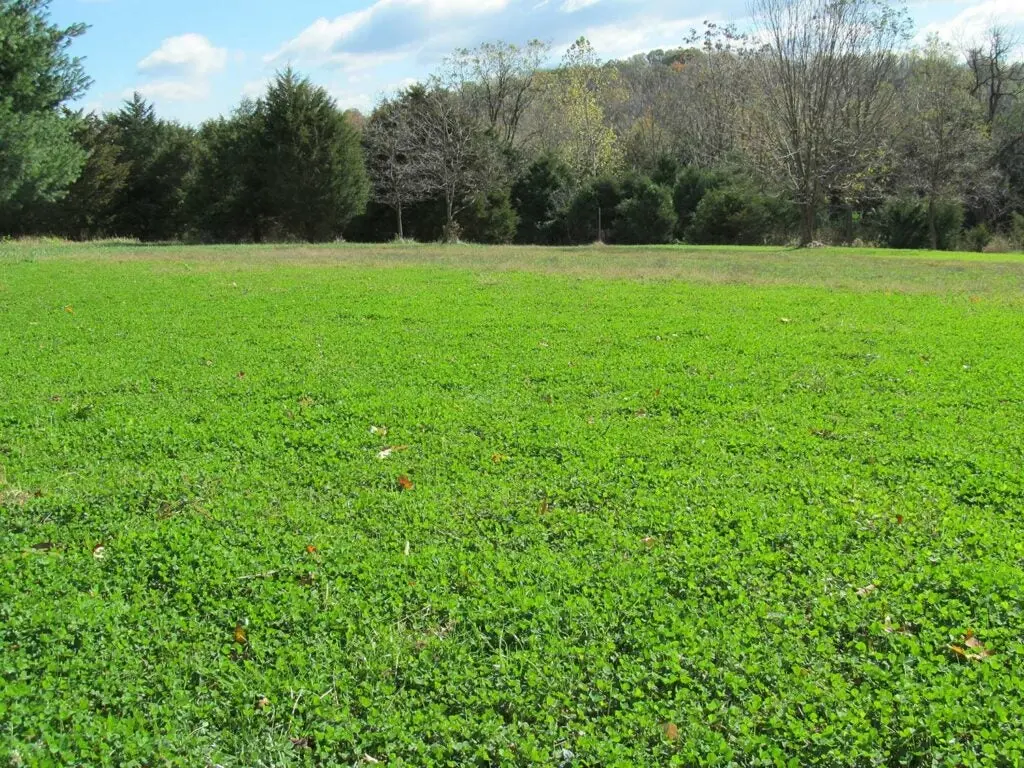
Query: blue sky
{"points": [[197, 58]]}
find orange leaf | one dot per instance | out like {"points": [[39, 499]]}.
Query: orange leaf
{"points": [[671, 731], [405, 483], [311, 549]]}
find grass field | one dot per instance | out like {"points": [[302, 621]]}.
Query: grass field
{"points": [[477, 507]]}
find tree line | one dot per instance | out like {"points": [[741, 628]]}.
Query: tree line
{"points": [[823, 124]]}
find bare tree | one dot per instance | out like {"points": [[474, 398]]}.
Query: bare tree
{"points": [[393, 159], [998, 79], [501, 81], [454, 157], [825, 68], [944, 141]]}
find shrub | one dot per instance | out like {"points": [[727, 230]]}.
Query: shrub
{"points": [[591, 214], [692, 184], [491, 219], [903, 223], [1017, 231], [731, 216], [539, 197], [976, 238], [645, 217], [999, 244]]}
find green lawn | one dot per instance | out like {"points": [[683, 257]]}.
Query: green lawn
{"points": [[669, 506]]}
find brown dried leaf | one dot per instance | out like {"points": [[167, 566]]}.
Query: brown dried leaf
{"points": [[240, 635], [405, 484], [671, 731], [867, 591]]}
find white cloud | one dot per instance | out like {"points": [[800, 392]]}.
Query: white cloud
{"points": [[322, 40], [571, 6], [182, 66], [974, 21], [638, 35], [190, 54], [172, 90]]}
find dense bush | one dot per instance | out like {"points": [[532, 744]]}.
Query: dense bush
{"points": [[490, 219], [976, 238], [591, 214], [646, 216], [691, 185], [734, 215], [903, 223], [539, 197], [1017, 230]]}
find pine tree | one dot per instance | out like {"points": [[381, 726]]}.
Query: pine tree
{"points": [[311, 177], [39, 157]]}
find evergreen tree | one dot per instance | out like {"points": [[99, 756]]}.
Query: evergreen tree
{"points": [[311, 174], [39, 157], [160, 155]]}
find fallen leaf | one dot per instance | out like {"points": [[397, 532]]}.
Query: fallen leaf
{"points": [[899, 519], [649, 541], [69, 309], [388, 452], [498, 458], [977, 652], [262, 702], [405, 484], [241, 374], [866, 591], [300, 743], [370, 760], [408, 548], [382, 431], [44, 546], [241, 636], [671, 731], [311, 549], [99, 551], [785, 320]]}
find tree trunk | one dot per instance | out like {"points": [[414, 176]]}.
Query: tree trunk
{"points": [[450, 234], [933, 232], [401, 231], [808, 225]]}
